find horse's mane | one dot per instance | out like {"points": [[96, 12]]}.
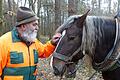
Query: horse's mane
{"points": [[66, 23], [91, 33]]}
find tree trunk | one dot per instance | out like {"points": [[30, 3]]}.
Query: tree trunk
{"points": [[57, 14], [32, 4], [1, 16], [93, 5], [1, 10], [11, 18], [25, 3], [99, 7], [76, 7], [109, 7], [38, 14], [71, 7], [118, 7]]}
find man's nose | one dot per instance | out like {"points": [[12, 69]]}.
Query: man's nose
{"points": [[36, 27]]}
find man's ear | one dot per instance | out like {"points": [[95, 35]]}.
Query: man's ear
{"points": [[23, 28]]}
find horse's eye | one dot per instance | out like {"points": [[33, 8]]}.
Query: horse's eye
{"points": [[71, 37]]}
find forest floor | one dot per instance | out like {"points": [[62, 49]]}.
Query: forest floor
{"points": [[83, 73]]}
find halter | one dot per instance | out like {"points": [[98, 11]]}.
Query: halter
{"points": [[63, 57], [66, 58]]}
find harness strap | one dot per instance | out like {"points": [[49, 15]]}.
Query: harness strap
{"points": [[112, 56], [77, 51]]}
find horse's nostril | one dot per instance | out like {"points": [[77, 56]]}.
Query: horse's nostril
{"points": [[56, 71]]}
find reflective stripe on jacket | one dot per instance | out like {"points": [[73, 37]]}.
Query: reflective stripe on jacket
{"points": [[17, 60]]}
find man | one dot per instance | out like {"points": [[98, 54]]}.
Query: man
{"points": [[19, 48]]}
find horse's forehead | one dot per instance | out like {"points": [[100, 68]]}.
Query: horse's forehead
{"points": [[67, 23], [70, 20]]}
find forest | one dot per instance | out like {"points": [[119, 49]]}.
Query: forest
{"points": [[52, 14]]}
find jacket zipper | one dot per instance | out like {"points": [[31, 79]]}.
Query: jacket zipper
{"points": [[29, 61]]}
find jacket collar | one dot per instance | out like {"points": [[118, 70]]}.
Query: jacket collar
{"points": [[15, 37]]}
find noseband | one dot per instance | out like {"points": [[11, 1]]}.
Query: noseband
{"points": [[66, 58]]}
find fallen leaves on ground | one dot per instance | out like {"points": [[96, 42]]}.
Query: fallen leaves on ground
{"points": [[45, 72]]}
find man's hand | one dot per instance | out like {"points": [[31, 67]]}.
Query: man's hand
{"points": [[55, 38]]}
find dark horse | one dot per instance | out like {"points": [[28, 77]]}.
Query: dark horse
{"points": [[98, 37]]}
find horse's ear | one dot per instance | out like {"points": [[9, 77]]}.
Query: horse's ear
{"points": [[83, 17]]}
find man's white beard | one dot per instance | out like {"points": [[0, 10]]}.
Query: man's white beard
{"points": [[29, 35]]}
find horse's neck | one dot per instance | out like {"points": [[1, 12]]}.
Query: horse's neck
{"points": [[106, 31]]}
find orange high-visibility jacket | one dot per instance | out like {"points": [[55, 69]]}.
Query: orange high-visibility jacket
{"points": [[17, 60]]}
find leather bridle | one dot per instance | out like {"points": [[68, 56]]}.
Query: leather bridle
{"points": [[66, 59]]}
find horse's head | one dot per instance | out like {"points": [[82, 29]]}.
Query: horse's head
{"points": [[68, 52]]}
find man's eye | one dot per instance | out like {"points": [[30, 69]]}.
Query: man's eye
{"points": [[35, 24]]}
